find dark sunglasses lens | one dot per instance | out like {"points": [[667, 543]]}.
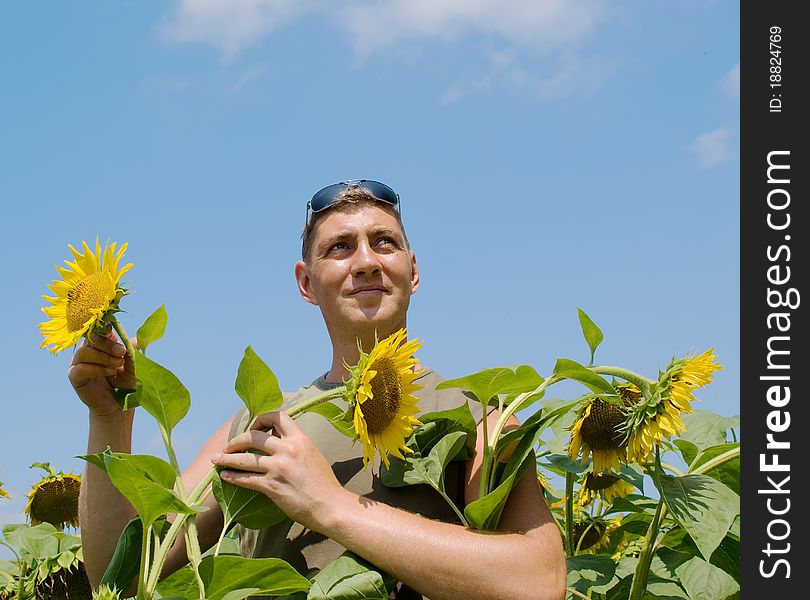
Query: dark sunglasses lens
{"points": [[327, 195], [381, 191]]}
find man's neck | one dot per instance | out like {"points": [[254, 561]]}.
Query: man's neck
{"points": [[345, 352]]}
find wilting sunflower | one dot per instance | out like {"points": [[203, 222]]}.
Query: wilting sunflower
{"points": [[381, 391], [598, 431], [659, 417], [87, 293], [54, 499], [605, 485], [593, 533]]}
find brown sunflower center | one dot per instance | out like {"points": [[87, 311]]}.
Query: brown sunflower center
{"points": [[600, 482], [56, 501], [601, 428], [92, 293], [386, 388], [590, 533]]}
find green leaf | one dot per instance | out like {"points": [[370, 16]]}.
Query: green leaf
{"points": [[247, 507], [489, 383], [334, 414], [224, 575], [688, 450], [435, 427], [593, 335], [125, 562], [703, 506], [160, 392], [429, 469], [705, 428], [704, 581], [586, 571], [348, 578], [37, 542], [146, 481], [729, 471], [571, 369], [153, 328], [257, 385], [485, 512]]}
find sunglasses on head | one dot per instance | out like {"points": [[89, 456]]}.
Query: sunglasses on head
{"points": [[324, 198]]}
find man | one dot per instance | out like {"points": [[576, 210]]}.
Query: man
{"points": [[358, 268]]}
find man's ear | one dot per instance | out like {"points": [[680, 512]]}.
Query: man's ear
{"points": [[414, 274], [304, 280]]}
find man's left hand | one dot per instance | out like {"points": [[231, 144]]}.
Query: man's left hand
{"points": [[288, 469]]}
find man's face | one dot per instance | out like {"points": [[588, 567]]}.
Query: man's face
{"points": [[359, 272]]}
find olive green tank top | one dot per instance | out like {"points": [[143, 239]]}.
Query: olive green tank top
{"points": [[309, 551]]}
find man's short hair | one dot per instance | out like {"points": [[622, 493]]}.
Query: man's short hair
{"points": [[349, 199]]}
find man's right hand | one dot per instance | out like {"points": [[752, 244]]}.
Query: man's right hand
{"points": [[101, 364]]}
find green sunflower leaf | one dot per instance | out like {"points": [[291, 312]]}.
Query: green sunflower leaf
{"points": [[229, 577], [705, 428], [334, 414], [146, 481], [489, 383], [125, 562], [586, 571], [428, 469], [485, 512], [247, 507], [571, 369], [160, 392], [153, 328], [593, 335], [729, 471], [703, 506], [349, 577], [257, 385], [704, 581]]}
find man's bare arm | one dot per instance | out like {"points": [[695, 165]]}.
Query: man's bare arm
{"points": [[443, 561]]}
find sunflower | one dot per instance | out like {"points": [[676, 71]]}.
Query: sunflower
{"points": [[605, 485], [54, 499], [106, 592], [597, 431], [594, 533], [381, 391], [85, 296], [659, 417]]}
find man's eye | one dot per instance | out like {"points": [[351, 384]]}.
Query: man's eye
{"points": [[385, 241], [339, 246]]}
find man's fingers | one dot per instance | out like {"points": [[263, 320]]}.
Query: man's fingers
{"points": [[90, 355], [244, 461], [280, 422], [83, 372], [109, 344], [253, 439], [251, 481]]}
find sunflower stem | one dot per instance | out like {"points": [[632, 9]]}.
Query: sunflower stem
{"points": [[715, 462], [569, 512], [313, 402], [143, 593], [639, 585], [452, 504], [119, 329], [639, 380]]}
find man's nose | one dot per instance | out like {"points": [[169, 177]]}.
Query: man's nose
{"points": [[366, 262]]}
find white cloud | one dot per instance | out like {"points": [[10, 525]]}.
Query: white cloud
{"points": [[540, 25], [714, 147], [231, 25], [731, 82]]}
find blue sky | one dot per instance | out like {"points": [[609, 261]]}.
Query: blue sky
{"points": [[549, 156]]}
